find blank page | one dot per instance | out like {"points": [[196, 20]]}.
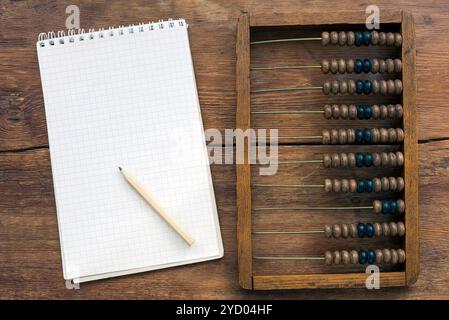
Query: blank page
{"points": [[127, 97]]}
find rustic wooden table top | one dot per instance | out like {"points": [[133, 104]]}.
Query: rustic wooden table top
{"points": [[30, 262]]}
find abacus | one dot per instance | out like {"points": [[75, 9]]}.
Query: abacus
{"points": [[345, 194]]}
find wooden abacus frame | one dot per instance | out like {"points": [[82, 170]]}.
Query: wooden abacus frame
{"points": [[249, 280]]}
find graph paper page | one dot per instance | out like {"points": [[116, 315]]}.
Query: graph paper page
{"points": [[127, 99]]}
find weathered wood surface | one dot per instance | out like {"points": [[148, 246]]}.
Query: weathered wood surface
{"points": [[30, 265]]}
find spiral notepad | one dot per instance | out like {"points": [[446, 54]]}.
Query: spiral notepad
{"points": [[126, 96]]}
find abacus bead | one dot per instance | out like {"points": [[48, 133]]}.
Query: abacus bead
{"points": [[334, 37], [374, 66], [400, 134], [359, 159], [353, 230], [401, 205], [385, 207], [383, 87], [352, 112], [335, 111], [401, 256], [341, 65], [366, 67], [390, 87], [393, 206], [328, 231], [367, 87], [354, 257], [334, 136], [327, 111], [358, 66], [327, 161], [366, 38], [342, 136], [325, 66], [343, 86], [335, 160], [367, 135], [377, 206], [397, 87], [383, 112], [382, 38], [360, 112], [344, 230], [363, 256], [392, 136], [379, 256], [401, 229], [371, 256], [344, 110], [352, 185], [390, 39], [326, 87], [374, 37], [360, 186], [382, 66], [399, 111], [351, 135], [344, 185], [336, 231], [377, 229], [325, 38], [358, 38], [369, 230], [368, 112], [358, 136], [385, 184], [336, 185], [328, 258], [368, 160], [401, 183], [385, 159], [393, 183], [376, 86], [386, 255], [350, 66], [326, 136], [351, 86], [335, 86], [397, 65], [375, 135], [377, 185], [342, 38], [393, 229], [400, 159], [397, 40], [394, 256], [328, 185], [391, 111], [390, 65], [343, 160], [350, 38], [337, 257], [351, 160], [369, 185], [376, 111], [376, 157], [383, 135], [345, 257], [334, 66], [385, 229]]}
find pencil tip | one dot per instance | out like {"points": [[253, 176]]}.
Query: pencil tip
{"points": [[120, 168]]}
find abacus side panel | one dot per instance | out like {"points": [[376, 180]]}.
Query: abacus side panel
{"points": [[263, 19], [411, 175], [243, 170], [326, 281]]}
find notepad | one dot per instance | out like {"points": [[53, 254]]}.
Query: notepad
{"points": [[126, 96]]}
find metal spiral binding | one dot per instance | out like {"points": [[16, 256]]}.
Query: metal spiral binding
{"points": [[61, 37]]}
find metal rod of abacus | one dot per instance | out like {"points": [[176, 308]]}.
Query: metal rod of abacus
{"points": [[350, 38], [345, 257]]}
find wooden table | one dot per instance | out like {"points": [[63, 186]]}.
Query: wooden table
{"points": [[30, 262]]}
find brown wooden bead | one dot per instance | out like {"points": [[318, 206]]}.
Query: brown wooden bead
{"points": [[394, 256], [377, 185], [327, 161], [328, 258], [326, 136], [327, 185], [328, 231], [334, 37], [383, 135], [351, 86], [344, 230], [354, 257], [390, 65], [397, 40], [344, 111], [377, 161], [344, 185], [351, 160], [399, 111], [393, 229], [343, 86], [343, 160], [377, 206], [350, 38], [325, 38], [342, 136], [335, 160], [393, 183], [399, 158], [385, 229], [401, 255], [375, 66], [397, 87], [382, 38], [350, 65], [352, 185], [335, 85], [326, 87], [341, 65], [382, 66], [383, 87], [374, 38], [376, 111], [335, 111], [400, 134], [375, 85], [327, 111], [401, 228], [392, 136], [390, 39], [334, 66], [345, 257], [386, 255], [393, 159], [391, 111], [337, 257], [401, 183], [325, 66], [385, 184], [336, 231], [334, 136], [383, 112], [385, 159], [397, 65], [336, 185], [353, 230], [377, 229], [379, 256], [390, 87], [342, 38], [375, 135], [351, 135], [401, 205], [352, 112]]}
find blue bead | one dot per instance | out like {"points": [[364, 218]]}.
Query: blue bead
{"points": [[369, 185], [368, 112], [368, 159], [358, 136], [367, 135], [359, 86], [361, 230], [367, 87], [369, 230], [360, 112], [358, 66], [358, 38], [371, 256], [363, 256], [393, 207], [366, 66], [385, 207], [360, 186], [359, 159], [366, 38]]}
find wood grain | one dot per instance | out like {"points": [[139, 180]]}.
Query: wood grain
{"points": [[30, 264]]}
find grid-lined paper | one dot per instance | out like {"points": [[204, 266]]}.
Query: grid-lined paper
{"points": [[127, 97]]}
